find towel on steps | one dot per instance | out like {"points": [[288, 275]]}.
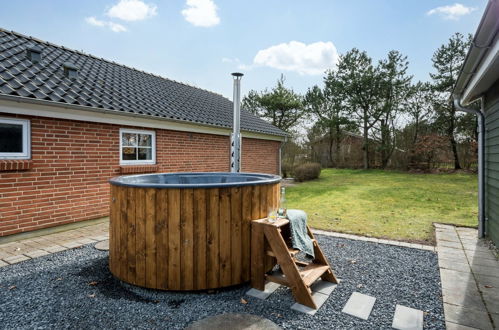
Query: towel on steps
{"points": [[299, 235]]}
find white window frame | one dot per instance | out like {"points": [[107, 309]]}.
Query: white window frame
{"points": [[26, 153], [153, 147]]}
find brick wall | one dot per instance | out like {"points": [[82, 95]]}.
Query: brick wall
{"points": [[71, 161]]}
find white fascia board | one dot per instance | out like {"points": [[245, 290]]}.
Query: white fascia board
{"points": [[121, 119], [484, 77]]}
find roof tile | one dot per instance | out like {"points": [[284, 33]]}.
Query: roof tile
{"points": [[109, 86]]}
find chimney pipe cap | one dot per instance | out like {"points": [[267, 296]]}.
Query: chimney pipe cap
{"points": [[237, 74]]}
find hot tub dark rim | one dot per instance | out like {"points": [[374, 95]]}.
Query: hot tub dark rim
{"points": [[264, 179]]}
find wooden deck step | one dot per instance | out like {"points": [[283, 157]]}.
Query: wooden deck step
{"points": [[292, 252], [309, 274], [278, 277], [312, 272]]}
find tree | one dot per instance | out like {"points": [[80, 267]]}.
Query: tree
{"points": [[281, 106], [419, 105], [447, 61], [360, 85], [326, 105], [394, 90]]}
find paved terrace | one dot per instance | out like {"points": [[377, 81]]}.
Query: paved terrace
{"points": [[469, 272]]}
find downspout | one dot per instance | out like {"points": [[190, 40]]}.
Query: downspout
{"points": [[481, 161]]}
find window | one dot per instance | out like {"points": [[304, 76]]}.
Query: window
{"points": [[137, 147], [14, 139]]}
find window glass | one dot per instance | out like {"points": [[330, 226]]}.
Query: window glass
{"points": [[137, 146], [11, 138]]}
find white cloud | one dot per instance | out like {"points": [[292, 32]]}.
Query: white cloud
{"points": [[453, 12], [115, 27], [311, 59], [132, 10], [201, 13]]}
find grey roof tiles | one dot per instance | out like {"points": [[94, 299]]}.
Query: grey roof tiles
{"points": [[109, 86]]}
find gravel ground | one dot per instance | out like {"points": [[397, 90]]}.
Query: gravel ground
{"points": [[74, 289]]}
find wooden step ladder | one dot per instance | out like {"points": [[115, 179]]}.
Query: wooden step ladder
{"points": [[274, 240]]}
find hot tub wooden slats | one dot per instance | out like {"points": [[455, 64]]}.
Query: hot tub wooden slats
{"points": [[213, 248], [185, 239], [161, 231], [246, 231], [200, 237], [140, 240], [225, 233], [236, 235], [131, 234], [151, 238], [174, 238]]}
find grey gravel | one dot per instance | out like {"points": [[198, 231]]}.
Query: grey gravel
{"points": [[74, 289]]}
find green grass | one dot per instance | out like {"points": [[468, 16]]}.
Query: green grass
{"points": [[387, 204]]}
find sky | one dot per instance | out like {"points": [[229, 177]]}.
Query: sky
{"points": [[201, 42]]}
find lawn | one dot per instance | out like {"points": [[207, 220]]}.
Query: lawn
{"points": [[386, 204]]}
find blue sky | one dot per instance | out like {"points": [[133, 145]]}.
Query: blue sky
{"points": [[200, 42]]}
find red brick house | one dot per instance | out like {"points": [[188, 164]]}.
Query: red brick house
{"points": [[70, 121]]}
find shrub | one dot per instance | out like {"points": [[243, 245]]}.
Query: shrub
{"points": [[307, 171], [286, 169]]}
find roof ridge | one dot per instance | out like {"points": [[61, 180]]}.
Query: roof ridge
{"points": [[106, 60]]}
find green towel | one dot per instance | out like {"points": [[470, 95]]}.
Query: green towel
{"points": [[299, 235]]}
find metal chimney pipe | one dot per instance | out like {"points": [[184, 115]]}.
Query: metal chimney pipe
{"points": [[235, 143]]}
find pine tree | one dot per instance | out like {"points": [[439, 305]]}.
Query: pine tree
{"points": [[447, 61]]}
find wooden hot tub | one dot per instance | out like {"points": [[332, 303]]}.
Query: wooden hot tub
{"points": [[186, 231]]}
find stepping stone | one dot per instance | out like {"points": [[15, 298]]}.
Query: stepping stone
{"points": [[103, 246], [319, 299], [235, 322], [270, 287], [323, 287], [406, 318], [359, 305]]}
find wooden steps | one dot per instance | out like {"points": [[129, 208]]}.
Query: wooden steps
{"points": [[270, 239], [292, 252]]}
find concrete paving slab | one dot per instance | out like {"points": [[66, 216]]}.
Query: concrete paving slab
{"points": [[487, 280], [319, 300], [467, 317], [359, 305], [454, 326], [407, 318], [479, 255], [447, 236], [86, 240], [492, 302], [444, 226], [449, 244], [102, 245], [37, 253], [484, 270], [3, 263], [495, 317], [454, 275], [484, 262], [461, 266], [469, 298], [323, 287], [233, 321], [270, 287], [55, 248], [72, 245], [16, 259]]}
